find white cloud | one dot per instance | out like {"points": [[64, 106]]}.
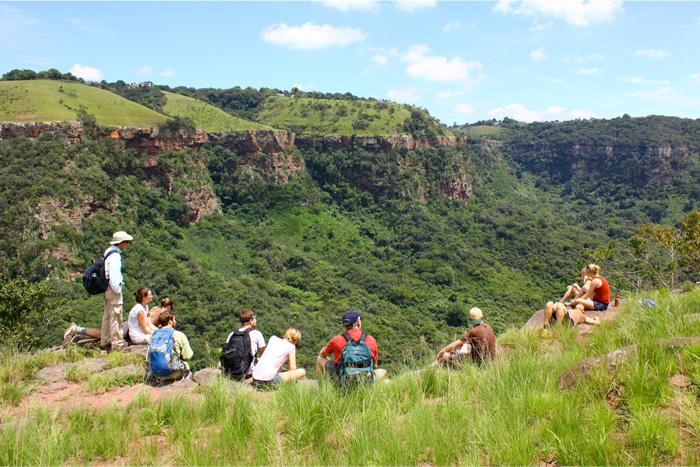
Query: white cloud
{"points": [[594, 70], [167, 72], [304, 87], [579, 60], [583, 114], [450, 93], [407, 95], [695, 78], [83, 25], [521, 113], [666, 93], [347, 5], [436, 68], [465, 109], [145, 71], [411, 5], [380, 59], [579, 13], [651, 53], [538, 54], [311, 36], [540, 27], [640, 81], [453, 26], [88, 73]]}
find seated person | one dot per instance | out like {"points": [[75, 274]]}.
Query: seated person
{"points": [[577, 316], [139, 326], [277, 353], [597, 296], [352, 321], [164, 304], [558, 310], [167, 352]]}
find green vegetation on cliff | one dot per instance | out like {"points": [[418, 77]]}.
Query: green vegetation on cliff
{"points": [[50, 101]]}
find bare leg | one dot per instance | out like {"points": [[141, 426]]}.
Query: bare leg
{"points": [[586, 303], [320, 366], [570, 291], [560, 310], [293, 375], [548, 311], [91, 332]]}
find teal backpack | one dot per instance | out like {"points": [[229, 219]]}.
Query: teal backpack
{"points": [[356, 363]]}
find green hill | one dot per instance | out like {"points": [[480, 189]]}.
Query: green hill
{"points": [[48, 101], [315, 116], [206, 116]]}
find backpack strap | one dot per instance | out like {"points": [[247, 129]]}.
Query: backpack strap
{"points": [[347, 337], [109, 253]]}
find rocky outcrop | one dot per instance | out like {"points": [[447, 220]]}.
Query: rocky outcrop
{"points": [[72, 132], [374, 143], [52, 212], [152, 141]]}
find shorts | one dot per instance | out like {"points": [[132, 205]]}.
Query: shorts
{"points": [[598, 306], [275, 381]]}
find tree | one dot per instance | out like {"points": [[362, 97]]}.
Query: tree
{"points": [[23, 310]]}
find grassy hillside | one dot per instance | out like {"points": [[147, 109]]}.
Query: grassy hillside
{"points": [[511, 412], [334, 116], [206, 116], [47, 101]]}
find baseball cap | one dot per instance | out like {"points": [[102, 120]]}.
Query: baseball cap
{"points": [[350, 317]]}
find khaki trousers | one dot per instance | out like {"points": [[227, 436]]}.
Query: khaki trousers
{"points": [[112, 331]]}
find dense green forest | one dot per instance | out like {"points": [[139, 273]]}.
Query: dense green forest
{"points": [[376, 231]]}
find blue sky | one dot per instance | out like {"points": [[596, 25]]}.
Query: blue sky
{"points": [[463, 61]]}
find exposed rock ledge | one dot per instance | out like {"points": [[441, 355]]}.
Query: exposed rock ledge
{"points": [[151, 141]]}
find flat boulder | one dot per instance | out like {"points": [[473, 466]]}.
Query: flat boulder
{"points": [[205, 375]]}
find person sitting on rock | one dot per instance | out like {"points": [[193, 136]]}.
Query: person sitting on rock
{"points": [[168, 352], [278, 352], [597, 295], [164, 304], [558, 310], [139, 326], [477, 343]]}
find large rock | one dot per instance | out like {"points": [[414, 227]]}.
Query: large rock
{"points": [[205, 375]]}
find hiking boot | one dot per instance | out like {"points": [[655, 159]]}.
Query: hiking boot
{"points": [[70, 333]]}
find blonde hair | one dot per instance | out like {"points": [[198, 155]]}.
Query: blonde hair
{"points": [[593, 268], [292, 335]]}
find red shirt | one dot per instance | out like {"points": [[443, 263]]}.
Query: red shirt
{"points": [[335, 345], [602, 293]]}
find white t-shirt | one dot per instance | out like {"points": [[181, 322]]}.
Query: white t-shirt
{"points": [[276, 354], [257, 341], [135, 332]]}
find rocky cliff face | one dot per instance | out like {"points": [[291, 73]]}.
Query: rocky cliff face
{"points": [[373, 143], [632, 165], [151, 141]]}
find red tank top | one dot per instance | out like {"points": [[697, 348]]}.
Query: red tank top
{"points": [[602, 293]]}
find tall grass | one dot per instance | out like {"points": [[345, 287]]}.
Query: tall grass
{"points": [[509, 412]]}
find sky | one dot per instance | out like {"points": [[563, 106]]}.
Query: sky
{"points": [[466, 61]]}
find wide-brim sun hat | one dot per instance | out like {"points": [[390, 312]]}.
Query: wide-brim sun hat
{"points": [[119, 237]]}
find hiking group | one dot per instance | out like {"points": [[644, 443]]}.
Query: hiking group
{"points": [[349, 357]]}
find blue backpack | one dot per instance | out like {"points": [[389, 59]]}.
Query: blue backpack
{"points": [[160, 352], [356, 361]]}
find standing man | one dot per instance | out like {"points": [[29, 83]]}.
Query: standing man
{"points": [[112, 331], [334, 348]]}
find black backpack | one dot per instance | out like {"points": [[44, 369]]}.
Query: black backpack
{"points": [[95, 278], [236, 354]]}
